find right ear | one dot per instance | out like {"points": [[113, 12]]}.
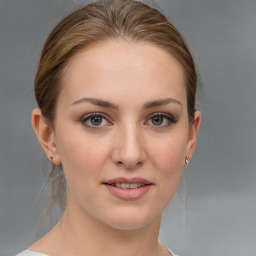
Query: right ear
{"points": [[46, 136]]}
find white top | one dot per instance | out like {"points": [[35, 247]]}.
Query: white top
{"points": [[31, 253]]}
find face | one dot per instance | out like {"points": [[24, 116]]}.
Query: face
{"points": [[122, 132]]}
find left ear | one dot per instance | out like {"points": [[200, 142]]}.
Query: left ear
{"points": [[191, 145]]}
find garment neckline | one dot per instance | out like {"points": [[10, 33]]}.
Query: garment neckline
{"points": [[39, 253], [42, 254]]}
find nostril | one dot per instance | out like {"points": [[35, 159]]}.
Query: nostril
{"points": [[139, 163], [129, 166]]}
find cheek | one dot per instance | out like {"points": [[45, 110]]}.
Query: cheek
{"points": [[81, 154], [168, 156], [83, 159]]}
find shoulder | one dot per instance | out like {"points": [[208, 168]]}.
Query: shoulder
{"points": [[30, 253]]}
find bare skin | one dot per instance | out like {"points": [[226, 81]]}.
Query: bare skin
{"points": [[122, 112]]}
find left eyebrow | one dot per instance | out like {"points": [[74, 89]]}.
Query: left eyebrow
{"points": [[161, 102]]}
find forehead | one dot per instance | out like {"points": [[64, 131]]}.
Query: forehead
{"points": [[123, 69]]}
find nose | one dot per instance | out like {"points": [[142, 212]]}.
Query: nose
{"points": [[129, 149]]}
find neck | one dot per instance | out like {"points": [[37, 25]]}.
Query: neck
{"points": [[82, 234]]}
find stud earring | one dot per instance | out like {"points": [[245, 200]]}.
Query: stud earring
{"points": [[186, 160], [51, 157]]}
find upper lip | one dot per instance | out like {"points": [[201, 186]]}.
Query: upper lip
{"points": [[129, 181]]}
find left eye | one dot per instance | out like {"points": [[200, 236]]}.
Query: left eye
{"points": [[161, 120], [94, 120]]}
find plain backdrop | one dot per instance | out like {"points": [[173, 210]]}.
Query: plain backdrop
{"points": [[214, 211]]}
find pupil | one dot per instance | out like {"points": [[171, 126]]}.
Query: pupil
{"points": [[96, 120], [157, 120]]}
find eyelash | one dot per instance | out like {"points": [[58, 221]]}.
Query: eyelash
{"points": [[170, 120], [89, 116]]}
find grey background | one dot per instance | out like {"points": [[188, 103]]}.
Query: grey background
{"points": [[214, 211]]}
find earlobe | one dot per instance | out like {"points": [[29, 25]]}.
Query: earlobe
{"points": [[193, 134], [46, 136]]}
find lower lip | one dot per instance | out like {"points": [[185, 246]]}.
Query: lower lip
{"points": [[130, 193]]}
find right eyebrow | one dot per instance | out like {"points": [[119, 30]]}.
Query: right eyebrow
{"points": [[161, 102], [98, 102]]}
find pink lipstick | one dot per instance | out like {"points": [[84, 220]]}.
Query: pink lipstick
{"points": [[128, 189]]}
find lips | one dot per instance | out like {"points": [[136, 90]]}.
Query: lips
{"points": [[125, 183], [129, 181], [128, 189]]}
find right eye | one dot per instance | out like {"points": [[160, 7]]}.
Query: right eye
{"points": [[95, 120]]}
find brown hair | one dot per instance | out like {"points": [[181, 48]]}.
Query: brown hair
{"points": [[95, 23]]}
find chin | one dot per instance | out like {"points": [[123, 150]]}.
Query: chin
{"points": [[131, 220]]}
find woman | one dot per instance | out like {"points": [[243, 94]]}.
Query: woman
{"points": [[116, 114]]}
